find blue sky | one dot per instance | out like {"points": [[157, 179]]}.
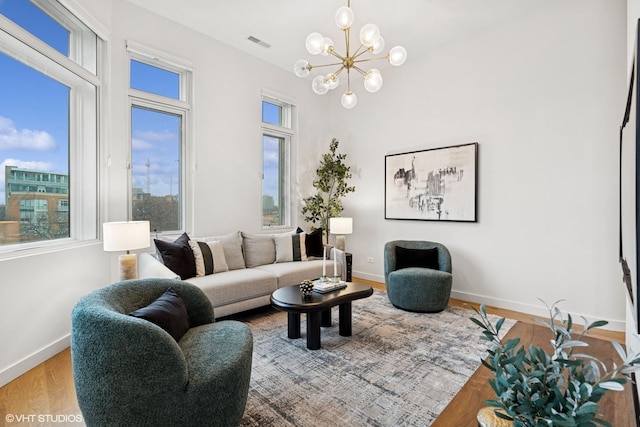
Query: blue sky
{"points": [[34, 130]]}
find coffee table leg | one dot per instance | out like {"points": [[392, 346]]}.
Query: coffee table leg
{"points": [[293, 325], [344, 313], [326, 318], [313, 330]]}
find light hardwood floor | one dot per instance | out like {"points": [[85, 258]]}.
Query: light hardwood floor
{"points": [[48, 389]]}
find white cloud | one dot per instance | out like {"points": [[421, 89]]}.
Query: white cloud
{"points": [[156, 136], [23, 139], [141, 145]]}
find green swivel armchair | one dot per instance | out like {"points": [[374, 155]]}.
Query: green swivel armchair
{"points": [[417, 275], [130, 372]]}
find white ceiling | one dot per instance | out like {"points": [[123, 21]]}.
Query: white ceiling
{"points": [[418, 25]]}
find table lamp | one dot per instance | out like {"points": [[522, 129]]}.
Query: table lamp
{"points": [[340, 226], [126, 236]]}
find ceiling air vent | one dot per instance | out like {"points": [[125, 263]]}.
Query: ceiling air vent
{"points": [[258, 42]]}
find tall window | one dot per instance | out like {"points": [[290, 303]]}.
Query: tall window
{"points": [[48, 125], [160, 103], [277, 133]]}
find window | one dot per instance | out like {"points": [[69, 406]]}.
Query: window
{"points": [[48, 125], [159, 96], [277, 133]]}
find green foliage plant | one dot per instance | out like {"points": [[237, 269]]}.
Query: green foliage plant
{"points": [[534, 388], [331, 185]]}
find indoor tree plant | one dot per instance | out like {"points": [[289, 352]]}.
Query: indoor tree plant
{"points": [[331, 185], [560, 388]]}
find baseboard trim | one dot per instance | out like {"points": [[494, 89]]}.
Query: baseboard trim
{"points": [[615, 325], [366, 276], [533, 310], [23, 366]]}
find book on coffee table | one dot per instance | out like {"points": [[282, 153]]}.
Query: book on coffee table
{"points": [[324, 287]]}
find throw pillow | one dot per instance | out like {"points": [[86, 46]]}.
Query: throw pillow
{"points": [[290, 247], [425, 258], [232, 246], [259, 249], [313, 243], [209, 257], [168, 312], [177, 256]]}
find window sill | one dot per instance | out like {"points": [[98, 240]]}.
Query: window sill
{"points": [[44, 247]]}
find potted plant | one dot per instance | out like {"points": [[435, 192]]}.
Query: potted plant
{"points": [[331, 183], [559, 388]]}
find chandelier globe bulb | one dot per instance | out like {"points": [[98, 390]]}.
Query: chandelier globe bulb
{"points": [[369, 35], [301, 68], [332, 81], [328, 45], [349, 99], [378, 46], [314, 43], [373, 80], [397, 56], [344, 17], [319, 85]]}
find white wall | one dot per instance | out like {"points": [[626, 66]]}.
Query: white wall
{"points": [[543, 96]]}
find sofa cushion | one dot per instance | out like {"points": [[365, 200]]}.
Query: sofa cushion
{"points": [[177, 256], [232, 246], [259, 249], [167, 311], [290, 247], [236, 285], [425, 258], [292, 273], [209, 257]]}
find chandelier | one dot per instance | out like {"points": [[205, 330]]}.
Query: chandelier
{"points": [[370, 43]]}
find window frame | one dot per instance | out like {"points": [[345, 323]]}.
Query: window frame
{"points": [[85, 86], [286, 132], [181, 107]]}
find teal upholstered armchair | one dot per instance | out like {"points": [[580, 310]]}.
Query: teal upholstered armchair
{"points": [[130, 372], [417, 275]]}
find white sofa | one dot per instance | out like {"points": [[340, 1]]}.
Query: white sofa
{"points": [[255, 271]]}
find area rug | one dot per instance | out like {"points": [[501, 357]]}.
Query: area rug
{"points": [[397, 369]]}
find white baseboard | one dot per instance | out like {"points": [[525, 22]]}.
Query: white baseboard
{"points": [[616, 325], [14, 371], [366, 276], [540, 311]]}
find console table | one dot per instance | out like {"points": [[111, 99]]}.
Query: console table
{"points": [[617, 407]]}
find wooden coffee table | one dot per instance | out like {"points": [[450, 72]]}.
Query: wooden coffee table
{"points": [[318, 309]]}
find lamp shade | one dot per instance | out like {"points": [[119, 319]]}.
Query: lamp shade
{"points": [[126, 235], [341, 225]]}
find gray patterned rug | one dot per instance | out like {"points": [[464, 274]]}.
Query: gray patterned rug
{"points": [[398, 368]]}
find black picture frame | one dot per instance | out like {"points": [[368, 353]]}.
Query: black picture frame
{"points": [[436, 184], [629, 218]]}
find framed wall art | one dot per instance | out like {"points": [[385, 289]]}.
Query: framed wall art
{"points": [[439, 184]]}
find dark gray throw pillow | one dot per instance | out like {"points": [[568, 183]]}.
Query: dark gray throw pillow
{"points": [[178, 256], [168, 312], [425, 258]]}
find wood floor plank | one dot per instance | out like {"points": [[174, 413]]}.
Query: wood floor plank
{"points": [[60, 386]]}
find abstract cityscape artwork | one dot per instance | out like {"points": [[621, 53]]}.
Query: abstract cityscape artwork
{"points": [[438, 184]]}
